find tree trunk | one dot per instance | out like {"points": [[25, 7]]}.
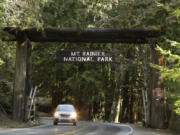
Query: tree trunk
{"points": [[118, 94], [22, 80], [146, 101], [131, 107], [117, 99], [117, 109], [113, 87], [108, 92]]}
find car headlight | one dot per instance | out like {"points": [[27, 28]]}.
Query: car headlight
{"points": [[73, 115], [56, 114]]}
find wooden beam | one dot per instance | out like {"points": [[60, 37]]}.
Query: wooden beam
{"points": [[91, 35]]}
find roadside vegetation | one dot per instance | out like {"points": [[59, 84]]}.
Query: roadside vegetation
{"points": [[6, 123], [107, 92]]}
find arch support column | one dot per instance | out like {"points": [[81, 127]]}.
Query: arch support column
{"points": [[22, 79]]}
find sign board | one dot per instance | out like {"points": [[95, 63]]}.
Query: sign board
{"points": [[87, 56]]}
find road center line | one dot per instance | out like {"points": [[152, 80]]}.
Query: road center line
{"points": [[73, 131]]}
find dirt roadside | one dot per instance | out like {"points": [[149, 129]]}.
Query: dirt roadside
{"points": [[140, 130], [7, 123]]}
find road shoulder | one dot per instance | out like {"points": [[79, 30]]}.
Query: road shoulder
{"points": [[140, 130]]}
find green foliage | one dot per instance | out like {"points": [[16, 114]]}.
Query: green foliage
{"points": [[7, 62], [6, 95], [172, 69], [169, 47], [177, 106], [174, 103], [1, 62], [21, 13]]}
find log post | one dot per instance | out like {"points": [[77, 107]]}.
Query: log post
{"points": [[28, 77], [157, 96], [22, 79]]}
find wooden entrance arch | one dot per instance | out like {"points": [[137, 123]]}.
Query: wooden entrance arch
{"points": [[23, 37]]}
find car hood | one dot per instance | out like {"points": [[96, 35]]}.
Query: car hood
{"points": [[64, 112]]}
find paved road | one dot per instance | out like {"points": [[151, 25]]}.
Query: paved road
{"points": [[82, 128]]}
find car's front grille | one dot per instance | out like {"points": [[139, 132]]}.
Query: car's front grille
{"points": [[64, 115]]}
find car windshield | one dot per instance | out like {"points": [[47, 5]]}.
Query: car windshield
{"points": [[67, 108]]}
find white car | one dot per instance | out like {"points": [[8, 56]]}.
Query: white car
{"points": [[65, 113]]}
